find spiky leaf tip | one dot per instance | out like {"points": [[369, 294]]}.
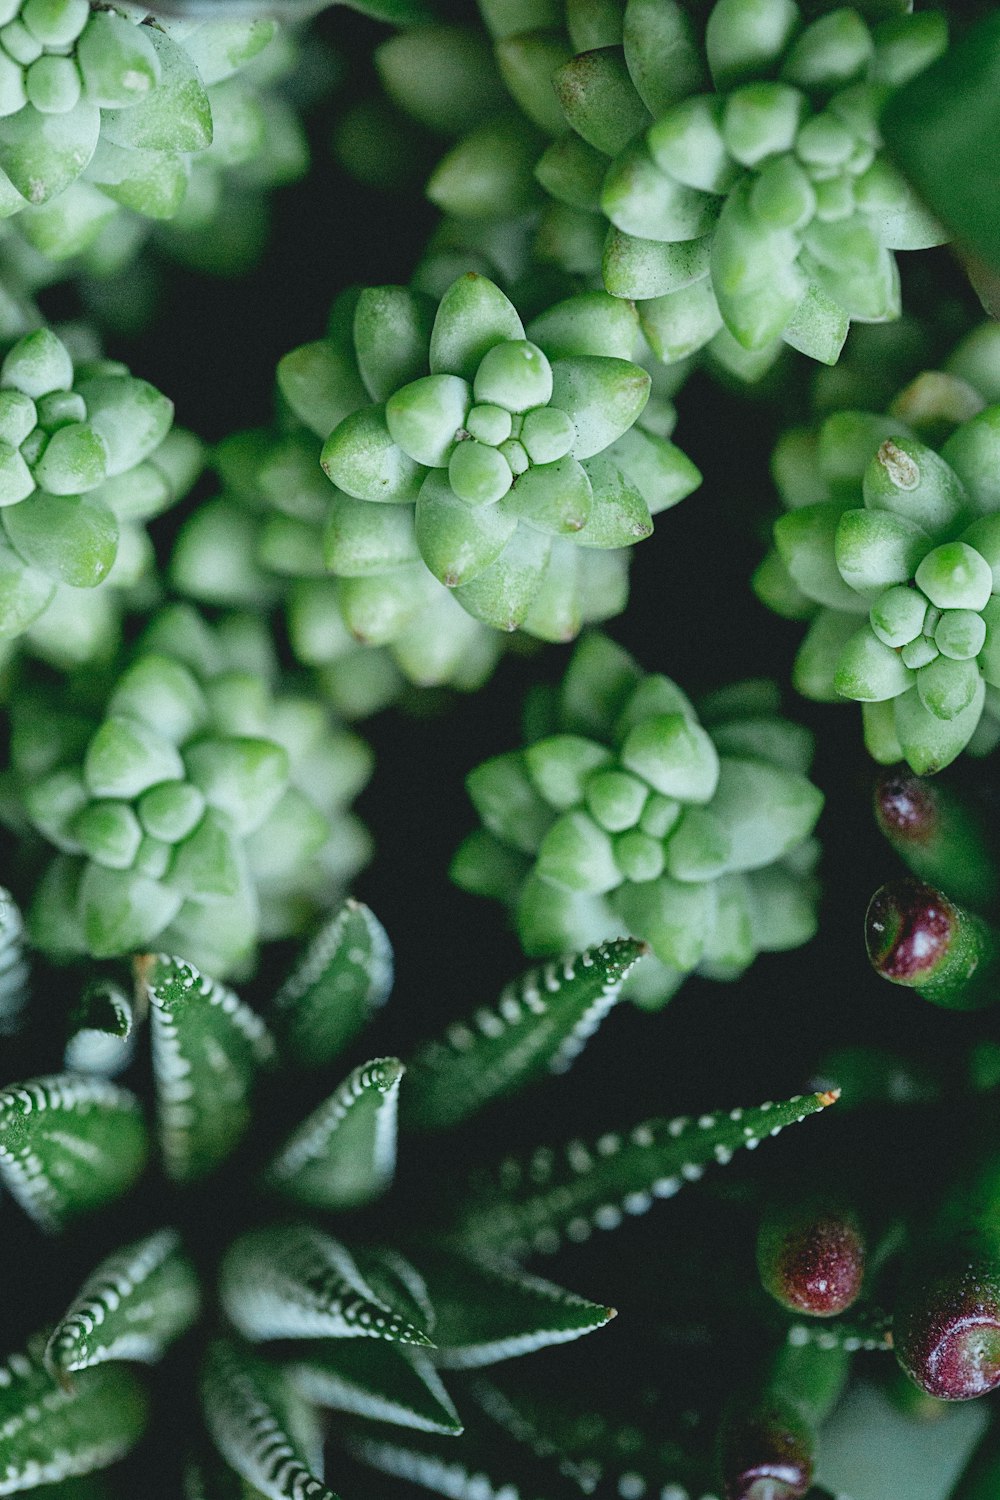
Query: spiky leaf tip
{"points": [[342, 978], [377, 1381], [540, 1024], [131, 1307], [208, 1049], [489, 1310], [49, 1433], [344, 1154], [261, 1426], [69, 1145], [292, 1282], [535, 1203]]}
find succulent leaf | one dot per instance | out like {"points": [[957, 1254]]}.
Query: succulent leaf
{"points": [[378, 1381]]}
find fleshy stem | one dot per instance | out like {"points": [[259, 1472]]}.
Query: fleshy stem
{"points": [[917, 937], [767, 1438], [939, 834]]}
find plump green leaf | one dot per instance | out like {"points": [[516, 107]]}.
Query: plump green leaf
{"points": [[344, 1154], [49, 1433], [69, 1145], [489, 1310], [131, 1307], [343, 977], [208, 1048], [261, 1426], [537, 1202], [474, 314], [292, 1281], [378, 1381], [540, 1024]]}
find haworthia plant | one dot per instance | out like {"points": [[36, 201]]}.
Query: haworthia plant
{"points": [[887, 549], [195, 806], [628, 813]]}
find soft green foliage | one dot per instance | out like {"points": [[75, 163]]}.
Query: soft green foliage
{"points": [[499, 461], [197, 805], [627, 812], [888, 548]]}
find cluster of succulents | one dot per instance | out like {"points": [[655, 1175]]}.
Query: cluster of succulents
{"points": [[244, 1258]]}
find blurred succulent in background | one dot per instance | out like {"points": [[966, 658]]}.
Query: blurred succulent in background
{"points": [[629, 811], [893, 517], [191, 800]]}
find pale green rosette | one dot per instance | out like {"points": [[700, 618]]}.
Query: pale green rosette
{"points": [[630, 812], [501, 462], [88, 455], [195, 804], [891, 548]]}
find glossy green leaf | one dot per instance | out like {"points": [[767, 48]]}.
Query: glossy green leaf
{"points": [[131, 1307], [208, 1048], [294, 1282], [375, 1380], [261, 1426], [540, 1024], [49, 1433], [343, 977], [534, 1203], [489, 1310], [69, 1145], [344, 1154]]}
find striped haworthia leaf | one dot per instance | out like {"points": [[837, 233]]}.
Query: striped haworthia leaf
{"points": [[536, 1202], [541, 1022], [131, 1307], [488, 1310], [261, 1425], [344, 1154], [69, 1145], [50, 1432], [101, 1038], [862, 1328], [344, 975], [291, 1281], [208, 1049], [479, 1467], [378, 1381], [14, 970]]}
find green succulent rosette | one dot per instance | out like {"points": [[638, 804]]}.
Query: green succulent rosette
{"points": [[887, 548], [87, 456], [193, 802], [305, 1310], [627, 811], [468, 452]]}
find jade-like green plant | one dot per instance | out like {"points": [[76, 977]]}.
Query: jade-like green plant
{"points": [[297, 1322], [86, 456], [629, 812], [195, 802], [887, 521], [499, 462]]}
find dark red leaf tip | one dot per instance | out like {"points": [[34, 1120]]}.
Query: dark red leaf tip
{"points": [[815, 1264], [950, 1346], [908, 930], [905, 807]]}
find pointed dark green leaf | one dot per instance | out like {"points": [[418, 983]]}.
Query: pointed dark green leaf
{"points": [[14, 971], [479, 1467], [489, 1310], [101, 1039], [49, 1433], [208, 1048], [261, 1425], [131, 1307], [344, 975], [291, 1281], [375, 1380], [69, 1145], [540, 1024], [534, 1203], [344, 1154]]}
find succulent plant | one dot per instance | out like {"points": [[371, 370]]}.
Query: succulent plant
{"points": [[298, 1322], [887, 521], [626, 812], [193, 801], [510, 474], [87, 455]]}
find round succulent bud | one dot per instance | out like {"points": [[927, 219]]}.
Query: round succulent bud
{"points": [[626, 813], [811, 1258]]}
